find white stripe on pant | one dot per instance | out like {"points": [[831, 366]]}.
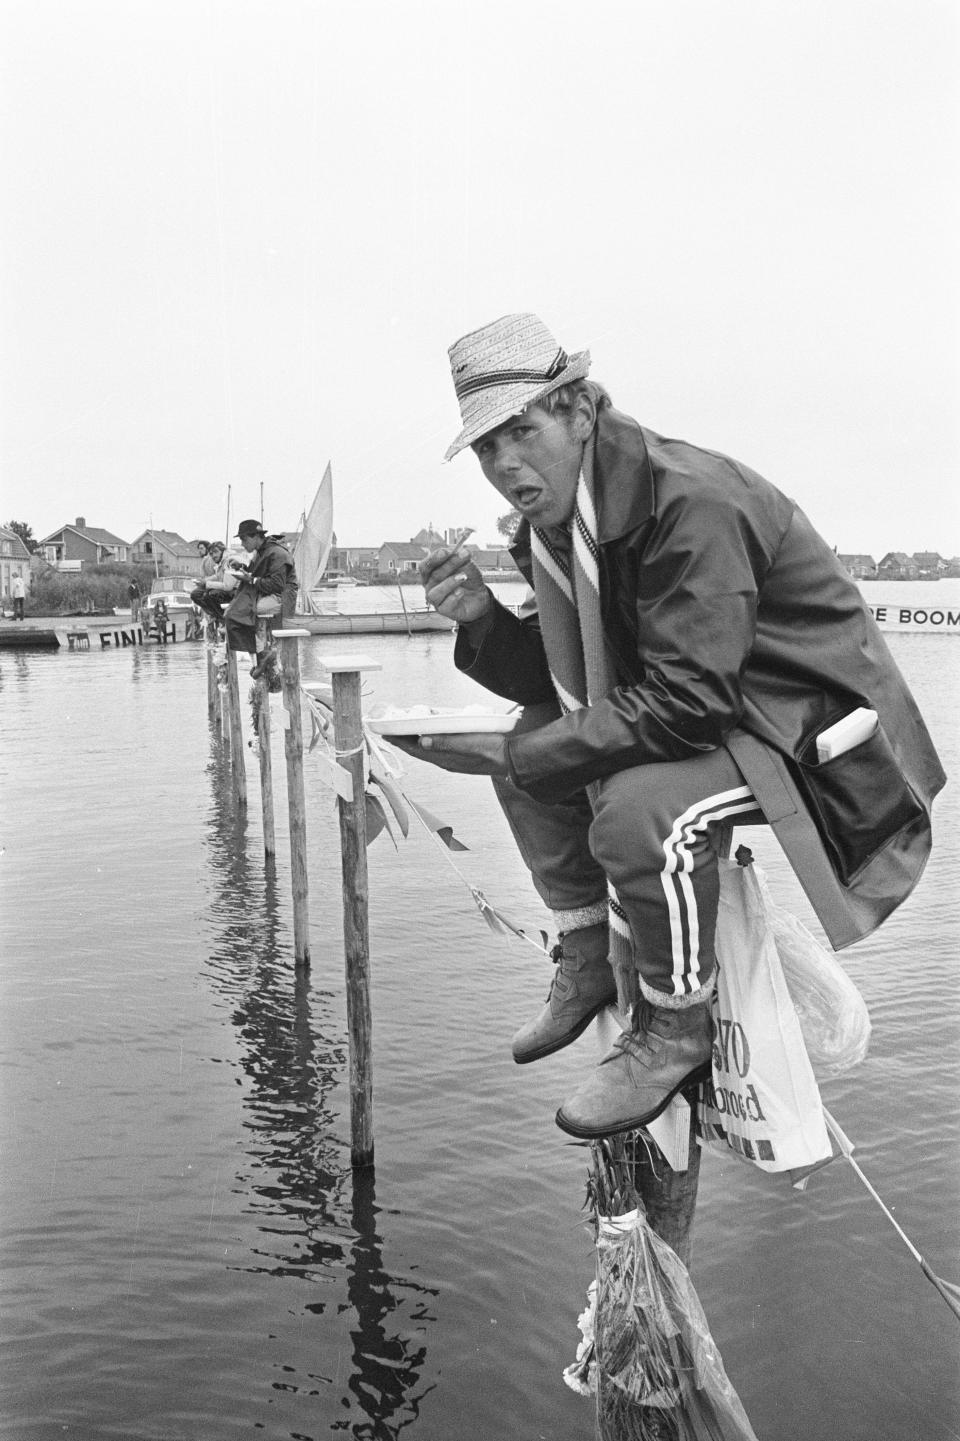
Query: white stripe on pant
{"points": [[677, 883]]}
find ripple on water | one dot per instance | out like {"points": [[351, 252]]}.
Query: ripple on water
{"points": [[187, 1253]]}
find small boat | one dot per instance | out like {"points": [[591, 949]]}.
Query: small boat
{"points": [[172, 594], [377, 622], [319, 608], [334, 579]]}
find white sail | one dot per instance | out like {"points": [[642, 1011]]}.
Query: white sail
{"points": [[313, 547]]}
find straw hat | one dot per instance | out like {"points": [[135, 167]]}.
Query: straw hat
{"points": [[502, 368]]}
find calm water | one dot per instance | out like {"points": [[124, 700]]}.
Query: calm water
{"points": [[185, 1252]]}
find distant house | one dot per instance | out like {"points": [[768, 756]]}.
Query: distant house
{"points": [[74, 546], [493, 563], [167, 552], [430, 537], [931, 565], [14, 560], [400, 556], [861, 567], [362, 561], [897, 565]]}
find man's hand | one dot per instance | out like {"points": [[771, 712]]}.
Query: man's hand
{"points": [[454, 586], [480, 754]]}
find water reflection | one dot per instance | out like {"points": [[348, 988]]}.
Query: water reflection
{"points": [[316, 1222], [386, 1361], [140, 669], [19, 662]]}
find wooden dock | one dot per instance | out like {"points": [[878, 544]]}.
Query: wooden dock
{"points": [[83, 633]]}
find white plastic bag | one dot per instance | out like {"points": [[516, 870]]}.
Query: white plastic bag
{"points": [[762, 1100], [833, 1015]]}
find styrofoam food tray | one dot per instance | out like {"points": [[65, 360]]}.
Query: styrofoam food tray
{"points": [[427, 721]]}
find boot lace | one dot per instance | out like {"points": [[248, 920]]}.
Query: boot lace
{"points": [[634, 1043], [555, 956]]}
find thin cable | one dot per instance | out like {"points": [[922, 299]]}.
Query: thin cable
{"points": [[949, 1292]]}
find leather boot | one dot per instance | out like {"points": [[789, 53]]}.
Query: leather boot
{"points": [[637, 1079], [583, 984]]}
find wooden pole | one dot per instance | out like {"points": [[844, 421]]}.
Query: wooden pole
{"points": [[238, 767], [266, 769], [670, 1197], [404, 604], [220, 689], [296, 805], [211, 684], [223, 710], [348, 734]]}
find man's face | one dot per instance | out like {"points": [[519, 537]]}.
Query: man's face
{"points": [[250, 542], [534, 460]]}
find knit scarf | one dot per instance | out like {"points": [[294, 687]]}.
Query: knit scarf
{"points": [[567, 585]]}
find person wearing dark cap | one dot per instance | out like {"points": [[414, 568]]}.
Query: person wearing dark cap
{"points": [[693, 640], [268, 587]]}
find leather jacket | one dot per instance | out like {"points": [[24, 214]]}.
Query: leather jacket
{"points": [[724, 612]]}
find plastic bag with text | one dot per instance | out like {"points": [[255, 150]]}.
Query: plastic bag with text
{"points": [[762, 1100], [833, 1015]]}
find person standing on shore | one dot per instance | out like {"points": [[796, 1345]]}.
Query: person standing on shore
{"points": [[19, 591], [693, 637]]}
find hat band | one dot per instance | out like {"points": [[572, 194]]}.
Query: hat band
{"points": [[486, 379]]}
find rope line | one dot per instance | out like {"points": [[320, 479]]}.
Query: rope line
{"points": [[393, 772], [946, 1289]]}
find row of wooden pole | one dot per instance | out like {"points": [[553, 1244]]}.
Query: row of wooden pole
{"points": [[348, 774], [669, 1197]]}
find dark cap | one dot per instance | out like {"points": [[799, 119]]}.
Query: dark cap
{"points": [[250, 527]]}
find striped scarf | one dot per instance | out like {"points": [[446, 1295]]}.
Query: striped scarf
{"points": [[567, 586]]}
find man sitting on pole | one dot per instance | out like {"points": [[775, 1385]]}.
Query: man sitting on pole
{"points": [[266, 588], [693, 637]]}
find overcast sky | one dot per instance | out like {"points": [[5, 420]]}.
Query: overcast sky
{"points": [[239, 237]]}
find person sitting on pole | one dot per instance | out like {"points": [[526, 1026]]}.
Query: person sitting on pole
{"points": [[211, 593], [267, 588], [692, 637]]}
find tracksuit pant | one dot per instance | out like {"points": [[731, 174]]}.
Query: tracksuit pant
{"points": [[649, 835]]}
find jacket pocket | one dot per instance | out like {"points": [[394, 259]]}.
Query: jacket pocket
{"points": [[859, 800]]}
